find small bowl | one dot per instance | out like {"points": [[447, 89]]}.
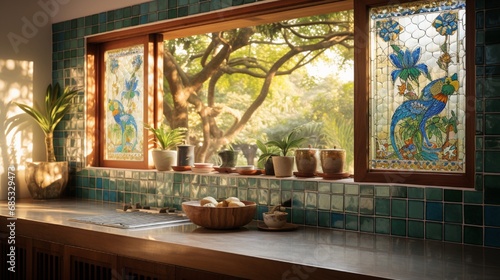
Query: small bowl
{"points": [[202, 169], [275, 220], [203, 165], [244, 168], [219, 217]]}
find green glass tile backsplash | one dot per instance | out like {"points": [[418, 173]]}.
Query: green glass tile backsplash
{"points": [[462, 216]]}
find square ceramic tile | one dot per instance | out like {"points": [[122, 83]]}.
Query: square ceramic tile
{"points": [[491, 237], [298, 200], [473, 197], [324, 201], [366, 205], [416, 209], [351, 189], [434, 211], [337, 220], [311, 201], [398, 227], [366, 224], [434, 231], [382, 207], [337, 188], [337, 203], [324, 219], [324, 187], [398, 208], [452, 195], [434, 194], [351, 203], [351, 222], [399, 191], [311, 217], [382, 191], [298, 216], [383, 225], [453, 233], [473, 235], [453, 212], [416, 229], [473, 214], [492, 215], [366, 190]]}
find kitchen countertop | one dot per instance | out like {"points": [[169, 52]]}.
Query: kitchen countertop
{"points": [[308, 248]]}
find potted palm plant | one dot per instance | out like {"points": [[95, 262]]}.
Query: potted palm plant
{"points": [[48, 179], [166, 139], [283, 164]]}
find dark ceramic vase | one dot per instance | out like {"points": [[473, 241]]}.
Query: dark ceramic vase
{"points": [[228, 158], [269, 167]]}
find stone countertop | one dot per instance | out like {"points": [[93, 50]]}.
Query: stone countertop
{"points": [[345, 251]]}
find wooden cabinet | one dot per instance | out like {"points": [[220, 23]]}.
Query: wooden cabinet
{"points": [[37, 259]]}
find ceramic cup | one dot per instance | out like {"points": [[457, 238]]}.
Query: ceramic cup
{"points": [[332, 160], [275, 220], [185, 155]]}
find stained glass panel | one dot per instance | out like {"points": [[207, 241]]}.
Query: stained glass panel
{"points": [[123, 90], [417, 99]]}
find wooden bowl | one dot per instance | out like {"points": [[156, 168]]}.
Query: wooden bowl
{"points": [[219, 218]]}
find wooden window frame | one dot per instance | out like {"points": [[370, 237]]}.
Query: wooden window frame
{"points": [[96, 105], [362, 172], [246, 15]]}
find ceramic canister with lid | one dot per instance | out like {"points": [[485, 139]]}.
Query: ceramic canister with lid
{"points": [[332, 160]]}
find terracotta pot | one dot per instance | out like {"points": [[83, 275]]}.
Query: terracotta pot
{"points": [[307, 161], [283, 166], [164, 159], [46, 180], [332, 160]]}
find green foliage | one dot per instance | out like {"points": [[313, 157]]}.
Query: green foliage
{"points": [[287, 143], [57, 104], [167, 138], [266, 152]]}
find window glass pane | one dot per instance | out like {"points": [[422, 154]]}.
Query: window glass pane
{"points": [[123, 90], [417, 95], [261, 82]]}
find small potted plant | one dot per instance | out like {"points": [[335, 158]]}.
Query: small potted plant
{"points": [[265, 159], [54, 173], [283, 164], [166, 139], [228, 156]]}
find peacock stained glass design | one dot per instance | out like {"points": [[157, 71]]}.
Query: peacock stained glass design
{"points": [[124, 83], [417, 87]]}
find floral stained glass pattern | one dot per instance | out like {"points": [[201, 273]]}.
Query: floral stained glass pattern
{"points": [[417, 87], [124, 76]]}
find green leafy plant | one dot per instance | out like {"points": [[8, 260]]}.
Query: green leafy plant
{"points": [[266, 152], [287, 143], [57, 104], [167, 138]]}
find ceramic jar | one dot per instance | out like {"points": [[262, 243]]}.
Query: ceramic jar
{"points": [[185, 155], [229, 158], [307, 161], [332, 160]]}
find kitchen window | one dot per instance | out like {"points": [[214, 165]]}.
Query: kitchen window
{"points": [[415, 90]]}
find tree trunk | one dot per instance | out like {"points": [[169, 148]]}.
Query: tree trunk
{"points": [[49, 147]]}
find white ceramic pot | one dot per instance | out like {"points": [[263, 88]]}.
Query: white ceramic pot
{"points": [[164, 159], [283, 166], [46, 180]]}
